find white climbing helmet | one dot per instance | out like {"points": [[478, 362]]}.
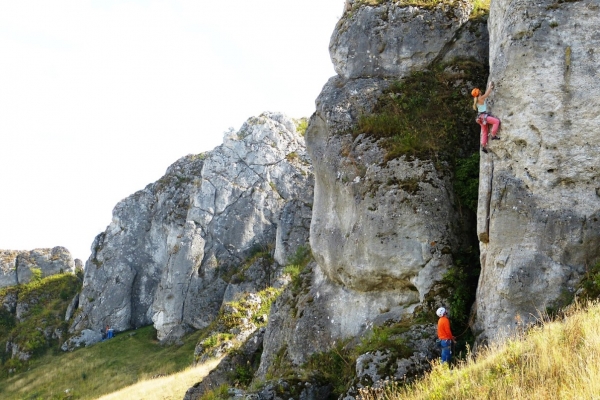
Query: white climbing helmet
{"points": [[440, 312]]}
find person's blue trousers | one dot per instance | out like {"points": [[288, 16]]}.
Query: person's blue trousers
{"points": [[446, 350]]}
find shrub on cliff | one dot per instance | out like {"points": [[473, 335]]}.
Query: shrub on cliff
{"points": [[36, 322], [428, 114]]}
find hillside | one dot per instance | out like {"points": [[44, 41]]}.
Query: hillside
{"points": [[557, 359], [106, 367], [310, 257]]}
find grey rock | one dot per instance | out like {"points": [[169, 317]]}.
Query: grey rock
{"points": [[376, 369], [72, 307], [382, 234], [369, 367], [391, 41], [294, 227], [171, 248], [539, 214], [86, 337], [9, 302], [301, 390], [15, 351], [16, 266]]}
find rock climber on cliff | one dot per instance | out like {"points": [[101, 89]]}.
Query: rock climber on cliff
{"points": [[445, 334], [484, 118]]}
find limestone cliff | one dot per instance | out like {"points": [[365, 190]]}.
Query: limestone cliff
{"points": [[168, 255], [18, 267], [383, 231], [539, 204]]}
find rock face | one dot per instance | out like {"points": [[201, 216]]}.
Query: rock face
{"points": [[18, 267], [167, 255], [539, 204], [382, 234], [388, 40]]}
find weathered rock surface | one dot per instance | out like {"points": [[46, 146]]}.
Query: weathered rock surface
{"points": [[84, 338], [16, 267], [375, 368], [33, 315], [171, 248], [539, 204], [382, 234], [388, 40]]}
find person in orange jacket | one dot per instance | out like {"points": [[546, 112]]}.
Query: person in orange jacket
{"points": [[445, 334]]}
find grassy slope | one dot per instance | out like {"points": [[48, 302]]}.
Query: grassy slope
{"points": [[100, 369], [556, 360], [165, 388]]}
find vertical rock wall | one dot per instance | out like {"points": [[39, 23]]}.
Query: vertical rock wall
{"points": [[539, 204], [382, 234], [167, 255]]}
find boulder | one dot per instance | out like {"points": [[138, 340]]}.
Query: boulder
{"points": [[85, 338]]}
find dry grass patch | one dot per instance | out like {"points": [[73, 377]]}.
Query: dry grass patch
{"points": [[165, 388], [556, 360]]}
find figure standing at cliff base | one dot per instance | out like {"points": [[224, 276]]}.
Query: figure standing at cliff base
{"points": [[445, 334], [484, 118]]}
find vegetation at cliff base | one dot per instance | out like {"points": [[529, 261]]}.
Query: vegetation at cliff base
{"points": [[338, 365], [555, 360]]}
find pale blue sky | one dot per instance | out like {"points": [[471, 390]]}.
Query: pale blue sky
{"points": [[98, 98]]}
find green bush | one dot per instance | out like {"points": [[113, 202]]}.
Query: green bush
{"points": [[590, 284], [461, 281], [336, 366], [301, 125], [466, 181], [47, 300]]}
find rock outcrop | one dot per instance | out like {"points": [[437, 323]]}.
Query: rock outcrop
{"points": [[382, 233], [168, 256], [19, 267], [32, 316], [539, 204], [392, 41]]}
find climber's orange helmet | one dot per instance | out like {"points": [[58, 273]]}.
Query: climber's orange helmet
{"points": [[475, 92]]}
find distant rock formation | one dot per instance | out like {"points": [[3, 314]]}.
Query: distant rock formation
{"points": [[18, 267], [539, 194], [171, 249]]}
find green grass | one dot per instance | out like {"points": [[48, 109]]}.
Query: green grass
{"points": [[100, 369], [428, 114]]}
